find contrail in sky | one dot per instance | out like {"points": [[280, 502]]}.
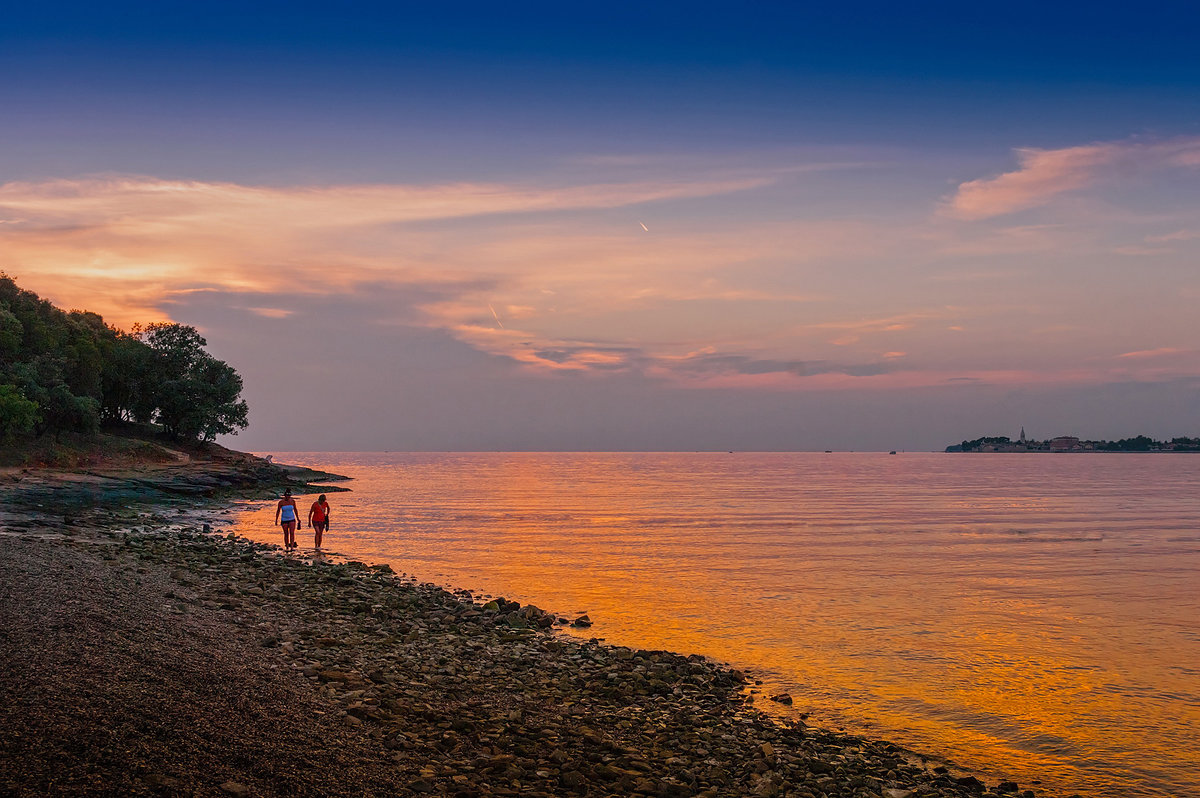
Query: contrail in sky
{"points": [[644, 227], [494, 316]]}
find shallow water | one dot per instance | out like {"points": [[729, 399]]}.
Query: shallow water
{"points": [[1034, 616]]}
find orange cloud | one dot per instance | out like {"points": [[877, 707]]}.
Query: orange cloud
{"points": [[120, 245], [703, 301]]}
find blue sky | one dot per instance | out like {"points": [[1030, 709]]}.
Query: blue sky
{"points": [[183, 85], [916, 224]]}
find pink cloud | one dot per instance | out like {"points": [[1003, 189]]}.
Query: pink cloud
{"points": [[1178, 235], [271, 313], [1164, 351], [144, 204], [1143, 251], [1045, 174]]}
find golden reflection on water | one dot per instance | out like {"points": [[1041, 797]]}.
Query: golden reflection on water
{"points": [[1030, 616]]}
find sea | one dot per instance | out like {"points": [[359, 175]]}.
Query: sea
{"points": [[1026, 616]]}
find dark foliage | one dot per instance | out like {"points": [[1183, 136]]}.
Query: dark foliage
{"points": [[197, 394], [1140, 443], [69, 372], [968, 446]]}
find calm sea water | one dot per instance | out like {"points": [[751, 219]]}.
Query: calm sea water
{"points": [[1035, 616]]}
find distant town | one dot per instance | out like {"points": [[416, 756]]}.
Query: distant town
{"points": [[1069, 443]]}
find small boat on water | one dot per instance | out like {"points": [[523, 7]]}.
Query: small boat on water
{"points": [[893, 451]]}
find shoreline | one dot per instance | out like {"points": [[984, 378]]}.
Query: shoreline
{"points": [[432, 692]]}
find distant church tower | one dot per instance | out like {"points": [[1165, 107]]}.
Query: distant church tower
{"points": [[1022, 440]]}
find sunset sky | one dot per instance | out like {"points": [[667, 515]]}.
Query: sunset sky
{"points": [[624, 226]]}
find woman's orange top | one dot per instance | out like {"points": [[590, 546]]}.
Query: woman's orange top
{"points": [[318, 512]]}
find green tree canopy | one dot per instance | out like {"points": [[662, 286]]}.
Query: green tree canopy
{"points": [[69, 372], [17, 414], [197, 394]]}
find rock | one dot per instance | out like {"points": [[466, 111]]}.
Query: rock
{"points": [[970, 782], [235, 789], [582, 622], [1007, 786], [782, 698], [161, 782], [334, 675], [895, 792]]}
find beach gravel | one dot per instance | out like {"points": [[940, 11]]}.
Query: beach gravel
{"points": [[153, 658], [117, 681]]}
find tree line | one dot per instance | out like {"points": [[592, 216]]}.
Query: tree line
{"points": [[70, 372], [1144, 443], [1138, 443]]}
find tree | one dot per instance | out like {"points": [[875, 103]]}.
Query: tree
{"points": [[970, 446], [196, 395], [12, 332], [64, 411], [1139, 443], [74, 370], [54, 359], [127, 381], [17, 414]]}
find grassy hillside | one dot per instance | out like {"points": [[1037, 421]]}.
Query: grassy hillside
{"points": [[118, 445]]}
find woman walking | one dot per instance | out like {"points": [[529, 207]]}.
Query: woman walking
{"points": [[318, 519], [288, 517]]}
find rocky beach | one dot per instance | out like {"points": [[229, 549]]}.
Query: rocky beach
{"points": [[149, 653]]}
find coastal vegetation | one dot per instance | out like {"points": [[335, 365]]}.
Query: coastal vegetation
{"points": [[70, 374]]}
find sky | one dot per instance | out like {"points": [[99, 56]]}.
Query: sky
{"points": [[665, 226]]}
